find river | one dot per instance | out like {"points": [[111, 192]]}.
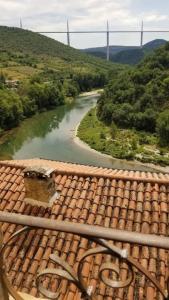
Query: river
{"points": [[51, 135]]}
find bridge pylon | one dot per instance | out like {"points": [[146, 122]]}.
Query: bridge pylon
{"points": [[108, 42], [21, 25], [68, 34], [142, 33]]}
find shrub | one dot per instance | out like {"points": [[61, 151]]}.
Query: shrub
{"points": [[102, 135], [163, 128], [134, 144], [113, 130]]}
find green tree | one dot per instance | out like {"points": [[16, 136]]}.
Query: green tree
{"points": [[11, 109], [134, 97], [163, 128]]}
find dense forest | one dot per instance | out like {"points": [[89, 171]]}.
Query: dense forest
{"points": [[35, 96], [139, 97], [47, 72]]}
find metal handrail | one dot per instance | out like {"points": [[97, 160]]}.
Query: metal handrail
{"points": [[97, 234], [94, 231]]}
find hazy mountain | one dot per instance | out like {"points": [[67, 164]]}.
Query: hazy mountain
{"points": [[154, 44], [126, 54], [113, 49]]}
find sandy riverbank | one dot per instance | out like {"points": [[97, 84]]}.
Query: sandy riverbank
{"points": [[152, 167], [91, 93]]}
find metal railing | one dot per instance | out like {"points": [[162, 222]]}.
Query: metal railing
{"points": [[101, 236]]}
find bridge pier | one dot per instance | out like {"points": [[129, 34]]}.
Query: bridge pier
{"points": [[21, 23], [68, 34], [142, 33], [108, 41]]}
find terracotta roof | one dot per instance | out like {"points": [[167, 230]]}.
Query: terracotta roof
{"points": [[134, 201], [85, 170]]}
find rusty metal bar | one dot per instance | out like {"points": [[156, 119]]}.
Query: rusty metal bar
{"points": [[87, 230]]}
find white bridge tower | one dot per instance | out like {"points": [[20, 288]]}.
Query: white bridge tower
{"points": [[68, 34], [108, 41]]}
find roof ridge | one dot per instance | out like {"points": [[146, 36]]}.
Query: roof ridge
{"points": [[12, 165], [114, 176], [127, 175]]}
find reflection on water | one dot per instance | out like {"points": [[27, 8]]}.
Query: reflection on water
{"points": [[36, 127], [50, 135]]}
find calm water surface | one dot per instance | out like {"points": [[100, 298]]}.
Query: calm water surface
{"points": [[50, 135]]}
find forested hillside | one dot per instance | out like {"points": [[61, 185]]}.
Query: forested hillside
{"points": [[47, 73], [133, 113], [139, 98], [131, 55], [20, 43]]}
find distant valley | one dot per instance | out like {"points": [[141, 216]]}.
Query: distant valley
{"points": [[126, 54]]}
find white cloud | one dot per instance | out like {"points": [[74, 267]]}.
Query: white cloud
{"points": [[83, 14], [156, 17]]}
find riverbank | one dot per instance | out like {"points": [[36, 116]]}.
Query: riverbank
{"points": [[96, 137], [50, 135], [91, 93], [5, 133], [84, 94]]}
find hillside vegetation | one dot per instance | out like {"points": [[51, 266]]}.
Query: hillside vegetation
{"points": [[48, 72], [22, 48], [133, 113], [135, 98], [127, 54]]}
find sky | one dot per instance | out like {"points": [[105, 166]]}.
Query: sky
{"points": [[52, 15]]}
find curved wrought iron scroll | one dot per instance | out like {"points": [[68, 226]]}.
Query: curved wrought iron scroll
{"points": [[68, 273], [6, 287], [107, 248]]}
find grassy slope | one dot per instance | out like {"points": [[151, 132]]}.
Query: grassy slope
{"points": [[127, 143], [23, 52]]}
